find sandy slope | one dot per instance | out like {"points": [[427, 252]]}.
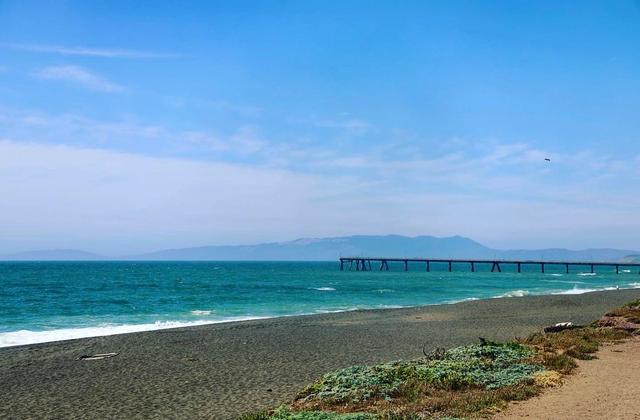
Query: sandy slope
{"points": [[606, 388]]}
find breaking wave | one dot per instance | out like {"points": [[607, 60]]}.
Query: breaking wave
{"points": [[17, 338], [514, 293]]}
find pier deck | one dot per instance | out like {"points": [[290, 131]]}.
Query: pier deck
{"points": [[382, 264]]}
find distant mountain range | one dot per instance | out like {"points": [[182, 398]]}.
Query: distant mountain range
{"points": [[53, 255], [329, 249]]}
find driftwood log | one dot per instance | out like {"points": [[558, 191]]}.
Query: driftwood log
{"points": [[561, 327]]}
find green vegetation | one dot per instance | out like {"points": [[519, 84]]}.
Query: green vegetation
{"points": [[630, 311], [559, 362], [282, 413], [468, 381], [580, 343], [492, 366]]}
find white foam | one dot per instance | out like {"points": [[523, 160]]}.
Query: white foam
{"points": [[199, 312], [514, 293], [586, 274], [557, 275], [471, 299], [335, 311], [17, 338], [324, 289], [578, 291]]}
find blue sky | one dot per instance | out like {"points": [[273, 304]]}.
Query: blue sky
{"points": [[131, 127]]}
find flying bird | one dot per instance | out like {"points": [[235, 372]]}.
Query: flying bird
{"points": [[547, 159]]}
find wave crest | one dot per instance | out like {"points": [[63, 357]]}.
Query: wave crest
{"points": [[199, 312]]}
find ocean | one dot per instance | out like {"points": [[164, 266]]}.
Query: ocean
{"points": [[49, 301]]}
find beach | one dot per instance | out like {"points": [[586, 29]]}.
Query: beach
{"points": [[223, 370]]}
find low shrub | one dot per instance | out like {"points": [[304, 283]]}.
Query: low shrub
{"points": [[472, 380], [559, 362], [630, 311], [492, 366], [547, 379], [285, 414], [263, 415], [580, 343]]}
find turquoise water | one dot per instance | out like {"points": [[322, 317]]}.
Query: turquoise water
{"points": [[45, 301]]}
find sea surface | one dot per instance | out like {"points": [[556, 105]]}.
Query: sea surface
{"points": [[48, 301]]}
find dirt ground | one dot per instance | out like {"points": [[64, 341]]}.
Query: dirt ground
{"points": [[605, 388]]}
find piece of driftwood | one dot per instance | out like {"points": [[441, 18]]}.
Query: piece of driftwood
{"points": [[436, 354], [561, 326], [98, 356]]}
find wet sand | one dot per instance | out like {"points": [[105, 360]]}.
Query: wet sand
{"points": [[220, 371]]}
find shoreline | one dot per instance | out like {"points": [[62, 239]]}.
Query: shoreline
{"points": [[227, 369], [78, 333]]}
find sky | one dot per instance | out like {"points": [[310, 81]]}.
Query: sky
{"points": [[127, 127]]}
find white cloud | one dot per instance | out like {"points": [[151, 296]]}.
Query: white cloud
{"points": [[76, 129], [120, 203], [60, 196], [79, 75], [84, 51], [347, 125]]}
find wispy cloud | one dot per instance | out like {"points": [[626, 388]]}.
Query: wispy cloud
{"points": [[84, 51], [81, 76], [491, 172], [344, 123], [128, 134]]}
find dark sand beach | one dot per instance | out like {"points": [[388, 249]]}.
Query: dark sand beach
{"points": [[223, 370]]}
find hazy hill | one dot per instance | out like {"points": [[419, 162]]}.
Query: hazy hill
{"points": [[389, 246], [330, 249], [631, 258], [53, 255]]}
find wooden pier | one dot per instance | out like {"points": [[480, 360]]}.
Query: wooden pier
{"points": [[382, 264]]}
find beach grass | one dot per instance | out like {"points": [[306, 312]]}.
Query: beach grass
{"points": [[464, 382], [630, 312]]}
